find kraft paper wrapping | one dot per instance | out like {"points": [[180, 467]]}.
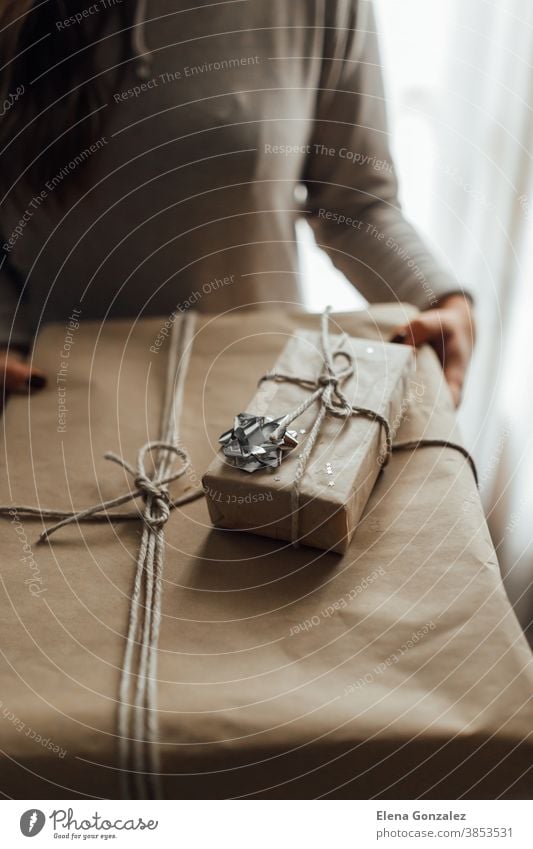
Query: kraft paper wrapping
{"points": [[328, 514], [398, 670]]}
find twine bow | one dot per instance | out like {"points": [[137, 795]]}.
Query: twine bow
{"points": [[153, 490]]}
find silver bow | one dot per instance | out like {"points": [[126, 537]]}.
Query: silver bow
{"points": [[249, 444]]}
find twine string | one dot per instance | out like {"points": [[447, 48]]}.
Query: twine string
{"points": [[137, 700]]}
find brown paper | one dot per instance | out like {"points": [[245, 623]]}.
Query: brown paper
{"points": [[398, 670], [330, 505]]}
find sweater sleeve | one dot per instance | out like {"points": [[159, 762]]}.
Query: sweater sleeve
{"points": [[349, 175], [14, 331]]}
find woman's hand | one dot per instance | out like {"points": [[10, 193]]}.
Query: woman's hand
{"points": [[449, 329], [16, 375]]}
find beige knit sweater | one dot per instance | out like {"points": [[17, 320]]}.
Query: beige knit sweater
{"points": [[237, 118]]}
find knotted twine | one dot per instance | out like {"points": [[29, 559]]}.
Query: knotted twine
{"points": [[327, 391], [137, 722]]}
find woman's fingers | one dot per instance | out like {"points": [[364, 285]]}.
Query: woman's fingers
{"points": [[426, 327], [18, 375], [449, 329], [455, 367]]}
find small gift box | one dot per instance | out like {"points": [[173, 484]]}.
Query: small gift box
{"points": [[300, 464]]}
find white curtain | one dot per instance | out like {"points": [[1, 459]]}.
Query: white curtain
{"points": [[459, 78]]}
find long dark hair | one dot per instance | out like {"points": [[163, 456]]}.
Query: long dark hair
{"points": [[45, 66]]}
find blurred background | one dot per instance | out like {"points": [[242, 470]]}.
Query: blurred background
{"points": [[459, 84]]}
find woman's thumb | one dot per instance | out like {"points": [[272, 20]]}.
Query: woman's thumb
{"points": [[424, 328]]}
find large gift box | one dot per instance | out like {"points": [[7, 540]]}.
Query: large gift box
{"points": [[395, 670]]}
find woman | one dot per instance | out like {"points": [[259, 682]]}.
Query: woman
{"points": [[156, 155]]}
